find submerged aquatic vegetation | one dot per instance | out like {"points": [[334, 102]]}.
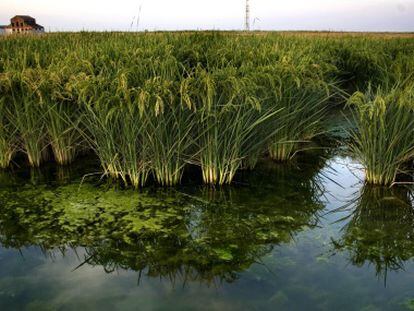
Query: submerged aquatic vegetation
{"points": [[382, 139], [159, 233]]}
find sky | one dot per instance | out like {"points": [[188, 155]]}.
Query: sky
{"points": [[100, 15]]}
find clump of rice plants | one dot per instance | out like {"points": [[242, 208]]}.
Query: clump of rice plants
{"points": [[61, 119], [132, 162], [113, 132], [8, 137], [169, 125], [148, 105], [303, 102], [98, 126], [61, 132], [168, 119], [27, 116], [227, 119], [382, 139]]}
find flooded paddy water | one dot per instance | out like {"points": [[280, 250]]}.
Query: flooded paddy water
{"points": [[309, 235]]}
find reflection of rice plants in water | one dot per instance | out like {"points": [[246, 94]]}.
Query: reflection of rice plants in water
{"points": [[208, 243], [380, 230], [180, 237], [301, 177]]}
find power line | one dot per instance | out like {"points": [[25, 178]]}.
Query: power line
{"points": [[132, 23], [138, 18]]}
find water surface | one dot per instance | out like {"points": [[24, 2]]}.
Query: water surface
{"points": [[305, 236]]}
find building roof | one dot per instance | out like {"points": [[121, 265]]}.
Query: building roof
{"points": [[25, 17]]}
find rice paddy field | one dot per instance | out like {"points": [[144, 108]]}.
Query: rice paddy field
{"points": [[207, 171]]}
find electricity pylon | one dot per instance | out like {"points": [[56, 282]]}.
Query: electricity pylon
{"points": [[247, 21]]}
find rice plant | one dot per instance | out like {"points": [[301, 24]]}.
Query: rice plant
{"points": [[227, 120], [8, 137], [113, 126], [113, 134], [28, 117], [133, 154], [64, 138], [382, 139], [303, 103], [61, 119], [169, 134], [102, 134], [169, 120]]}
